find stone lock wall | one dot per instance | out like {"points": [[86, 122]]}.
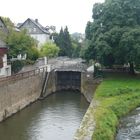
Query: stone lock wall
{"points": [[16, 94], [88, 85]]}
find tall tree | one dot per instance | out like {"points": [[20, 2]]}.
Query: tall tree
{"points": [[88, 30], [63, 40], [67, 42], [115, 32]]}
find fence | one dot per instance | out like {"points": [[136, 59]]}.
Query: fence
{"points": [[22, 75]]}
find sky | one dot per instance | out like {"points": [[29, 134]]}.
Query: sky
{"points": [[60, 13]]}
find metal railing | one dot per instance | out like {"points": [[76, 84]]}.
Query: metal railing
{"points": [[23, 75]]}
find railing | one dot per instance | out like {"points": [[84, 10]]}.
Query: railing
{"points": [[22, 75]]}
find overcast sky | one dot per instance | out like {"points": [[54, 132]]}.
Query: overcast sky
{"points": [[73, 13]]}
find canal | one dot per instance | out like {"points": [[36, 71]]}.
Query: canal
{"points": [[129, 128], [55, 118]]}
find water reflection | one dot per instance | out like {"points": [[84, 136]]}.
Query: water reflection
{"points": [[55, 118], [130, 127]]}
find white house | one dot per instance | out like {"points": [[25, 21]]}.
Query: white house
{"points": [[5, 69], [36, 30]]}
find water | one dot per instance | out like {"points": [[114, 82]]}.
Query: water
{"points": [[130, 126], [55, 118]]}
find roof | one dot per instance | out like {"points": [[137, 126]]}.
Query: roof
{"points": [[2, 44], [2, 21], [37, 24], [4, 28]]}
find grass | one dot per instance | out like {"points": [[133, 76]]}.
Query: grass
{"points": [[117, 95]]}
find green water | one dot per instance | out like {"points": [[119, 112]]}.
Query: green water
{"points": [[55, 118]]}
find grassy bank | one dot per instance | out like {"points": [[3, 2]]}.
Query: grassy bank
{"points": [[117, 95]]}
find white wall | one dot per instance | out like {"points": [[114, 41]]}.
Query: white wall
{"points": [[41, 38], [6, 69]]}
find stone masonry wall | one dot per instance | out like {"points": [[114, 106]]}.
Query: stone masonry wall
{"points": [[16, 94], [51, 84], [88, 85], [87, 126]]}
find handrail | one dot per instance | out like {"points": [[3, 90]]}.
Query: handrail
{"points": [[22, 75]]}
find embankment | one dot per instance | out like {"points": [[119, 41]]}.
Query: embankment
{"points": [[15, 94], [115, 97]]}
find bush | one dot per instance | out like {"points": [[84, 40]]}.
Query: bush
{"points": [[29, 62], [33, 54], [16, 66]]}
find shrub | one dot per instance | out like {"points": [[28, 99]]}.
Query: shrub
{"points": [[16, 66]]}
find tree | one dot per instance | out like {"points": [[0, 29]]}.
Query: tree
{"points": [[76, 48], [63, 40], [49, 50], [115, 30], [67, 42], [88, 30], [21, 43]]}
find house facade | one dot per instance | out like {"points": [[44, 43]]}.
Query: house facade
{"points": [[5, 69], [36, 30]]}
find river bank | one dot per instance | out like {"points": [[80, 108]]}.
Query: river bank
{"points": [[56, 117], [114, 98]]}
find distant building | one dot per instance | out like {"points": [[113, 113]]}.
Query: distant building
{"points": [[36, 30], [5, 70]]}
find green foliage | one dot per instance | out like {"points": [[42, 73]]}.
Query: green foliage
{"points": [[130, 44], [63, 40], [19, 43], [4, 30], [89, 31], [7, 21], [114, 32], [76, 48], [117, 96], [49, 50], [16, 66], [84, 50], [3, 35], [32, 53], [105, 128], [29, 62]]}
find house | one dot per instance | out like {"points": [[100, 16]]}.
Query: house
{"points": [[36, 30], [5, 69]]}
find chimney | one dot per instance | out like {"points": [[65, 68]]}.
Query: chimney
{"points": [[36, 20]]}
